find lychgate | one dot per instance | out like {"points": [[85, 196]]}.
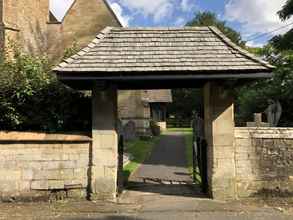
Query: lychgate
{"points": [[162, 58]]}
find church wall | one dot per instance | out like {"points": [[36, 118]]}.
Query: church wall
{"points": [[81, 25], [26, 22]]}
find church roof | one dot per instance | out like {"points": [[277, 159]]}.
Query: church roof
{"points": [[192, 49]]}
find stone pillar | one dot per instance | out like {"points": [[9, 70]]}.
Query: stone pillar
{"points": [[219, 132], [104, 144]]}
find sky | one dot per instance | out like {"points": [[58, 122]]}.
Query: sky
{"points": [[249, 17]]}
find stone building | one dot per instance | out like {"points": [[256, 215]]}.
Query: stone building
{"points": [[34, 27]]}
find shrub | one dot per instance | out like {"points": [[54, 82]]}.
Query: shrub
{"points": [[31, 98]]}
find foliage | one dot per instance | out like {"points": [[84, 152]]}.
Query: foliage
{"points": [[283, 42], [253, 98], [210, 19], [71, 50], [31, 98], [185, 103], [287, 10]]}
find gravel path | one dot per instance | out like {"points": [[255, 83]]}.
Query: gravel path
{"points": [[167, 163]]}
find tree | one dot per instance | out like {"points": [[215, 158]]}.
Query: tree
{"points": [[185, 102], [210, 19], [287, 10], [285, 41]]}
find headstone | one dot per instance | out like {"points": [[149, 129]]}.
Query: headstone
{"points": [[257, 121], [273, 112], [129, 131]]}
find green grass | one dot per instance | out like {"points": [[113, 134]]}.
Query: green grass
{"points": [[189, 155], [184, 130], [140, 151]]}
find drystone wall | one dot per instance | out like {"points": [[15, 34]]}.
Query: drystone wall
{"points": [[264, 161]]}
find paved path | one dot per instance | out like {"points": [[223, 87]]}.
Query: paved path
{"points": [[167, 163]]}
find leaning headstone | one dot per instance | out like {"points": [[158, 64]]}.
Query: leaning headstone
{"points": [[129, 131], [273, 112]]}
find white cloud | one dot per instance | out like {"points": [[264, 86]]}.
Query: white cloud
{"points": [[254, 44], [180, 22], [59, 8], [255, 16], [187, 5], [124, 19], [158, 9]]}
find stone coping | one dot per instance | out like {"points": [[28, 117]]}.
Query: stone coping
{"points": [[264, 132], [14, 136]]}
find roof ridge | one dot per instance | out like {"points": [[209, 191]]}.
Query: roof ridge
{"points": [[100, 36], [243, 52]]}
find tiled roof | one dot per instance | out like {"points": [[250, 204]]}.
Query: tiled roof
{"points": [[161, 95], [196, 49]]}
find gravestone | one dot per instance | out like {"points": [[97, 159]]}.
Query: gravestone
{"points": [[129, 131], [257, 121], [273, 112]]}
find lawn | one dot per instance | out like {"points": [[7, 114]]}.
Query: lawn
{"points": [[140, 151]]}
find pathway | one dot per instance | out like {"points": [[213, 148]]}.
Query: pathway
{"points": [[167, 162], [166, 170]]}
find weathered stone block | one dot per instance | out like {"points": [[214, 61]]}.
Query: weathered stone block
{"points": [[8, 186], [39, 185], [106, 157], [27, 174], [8, 175], [24, 186], [56, 184], [80, 173]]}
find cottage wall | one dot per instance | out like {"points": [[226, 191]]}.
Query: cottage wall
{"points": [[264, 161], [43, 166]]}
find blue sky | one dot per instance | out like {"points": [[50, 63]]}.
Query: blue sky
{"points": [[249, 17]]}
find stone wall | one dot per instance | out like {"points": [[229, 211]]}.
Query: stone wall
{"points": [[26, 24], [43, 166], [264, 161]]}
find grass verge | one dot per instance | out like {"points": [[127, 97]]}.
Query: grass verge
{"points": [[140, 151], [184, 130]]}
